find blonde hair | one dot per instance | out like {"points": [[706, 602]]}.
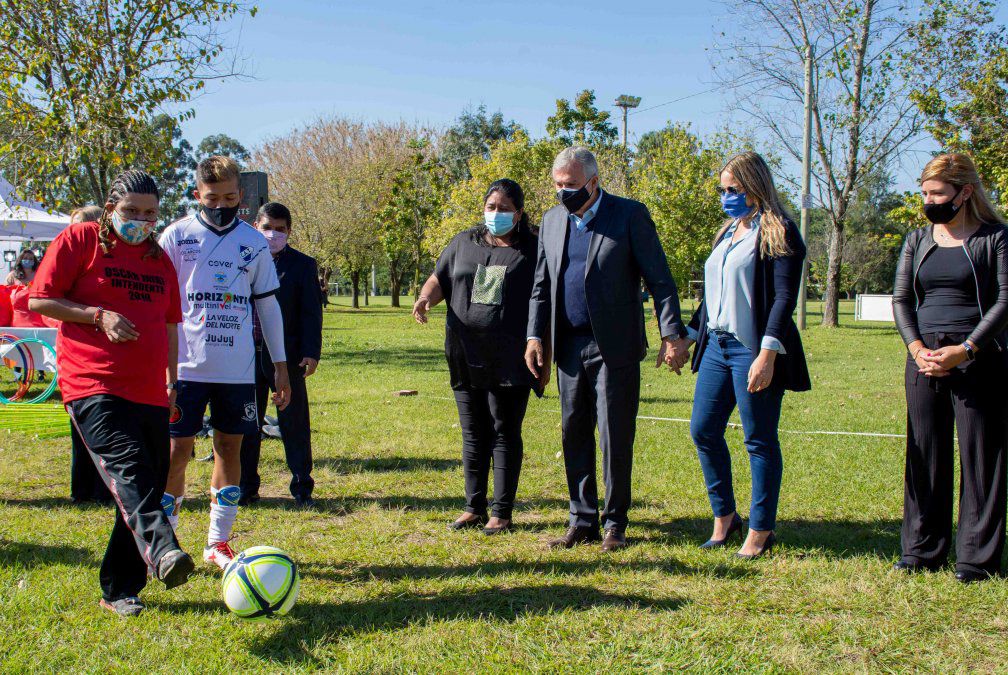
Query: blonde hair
{"points": [[753, 174], [86, 214], [959, 170], [217, 169]]}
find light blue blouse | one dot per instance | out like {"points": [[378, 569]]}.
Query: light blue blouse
{"points": [[729, 274]]}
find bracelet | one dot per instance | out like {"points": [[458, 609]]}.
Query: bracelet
{"points": [[98, 316]]}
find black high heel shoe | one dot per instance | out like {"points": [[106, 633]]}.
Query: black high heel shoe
{"points": [[766, 550], [472, 523], [737, 525]]}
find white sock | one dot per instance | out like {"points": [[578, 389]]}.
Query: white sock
{"points": [[222, 520], [173, 518]]}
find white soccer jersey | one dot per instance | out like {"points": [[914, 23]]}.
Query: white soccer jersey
{"points": [[221, 273]]}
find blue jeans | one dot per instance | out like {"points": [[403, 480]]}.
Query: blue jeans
{"points": [[721, 385]]}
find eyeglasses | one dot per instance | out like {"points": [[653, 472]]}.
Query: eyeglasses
{"points": [[728, 190]]}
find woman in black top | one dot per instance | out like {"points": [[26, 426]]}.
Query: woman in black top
{"points": [[951, 307], [485, 274]]}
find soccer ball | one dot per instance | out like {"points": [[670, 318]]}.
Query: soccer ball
{"points": [[261, 582]]}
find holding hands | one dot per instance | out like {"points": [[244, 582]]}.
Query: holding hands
{"points": [[674, 354]]}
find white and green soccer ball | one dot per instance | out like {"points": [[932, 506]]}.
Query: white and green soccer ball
{"points": [[261, 582]]}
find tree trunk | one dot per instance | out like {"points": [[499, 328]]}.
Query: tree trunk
{"points": [[355, 281], [831, 297], [395, 284]]}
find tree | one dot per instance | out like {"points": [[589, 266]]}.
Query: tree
{"points": [[336, 177], [582, 124], [472, 135], [974, 119], [415, 202], [871, 57], [176, 176], [676, 176], [81, 80], [222, 144]]}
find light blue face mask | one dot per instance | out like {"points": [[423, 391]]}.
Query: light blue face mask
{"points": [[499, 222]]}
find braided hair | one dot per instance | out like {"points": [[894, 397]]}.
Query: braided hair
{"points": [[135, 182]]}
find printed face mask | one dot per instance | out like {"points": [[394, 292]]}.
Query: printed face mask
{"points": [[276, 240], [499, 222], [132, 231]]}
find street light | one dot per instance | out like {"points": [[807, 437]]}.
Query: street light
{"points": [[626, 102]]}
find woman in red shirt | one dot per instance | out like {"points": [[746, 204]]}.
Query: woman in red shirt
{"points": [[117, 297]]}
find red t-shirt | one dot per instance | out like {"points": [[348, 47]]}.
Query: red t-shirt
{"points": [[6, 312], [145, 291], [24, 317]]}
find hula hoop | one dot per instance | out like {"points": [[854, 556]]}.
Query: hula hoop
{"points": [[28, 369], [52, 385]]}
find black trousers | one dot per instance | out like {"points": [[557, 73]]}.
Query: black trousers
{"points": [[129, 444], [491, 421], [86, 484], [593, 394], [295, 432], [974, 402]]}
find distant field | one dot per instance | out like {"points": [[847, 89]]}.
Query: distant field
{"points": [[388, 588]]}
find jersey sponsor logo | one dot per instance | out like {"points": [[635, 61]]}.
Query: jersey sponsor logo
{"points": [[190, 254], [250, 412], [216, 297], [219, 340], [246, 253], [226, 264], [186, 242], [220, 278], [222, 321]]}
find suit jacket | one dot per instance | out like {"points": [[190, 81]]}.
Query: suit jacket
{"points": [[300, 305], [775, 295], [624, 248]]}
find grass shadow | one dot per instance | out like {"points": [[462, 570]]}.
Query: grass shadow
{"points": [[348, 465], [408, 358], [25, 554]]}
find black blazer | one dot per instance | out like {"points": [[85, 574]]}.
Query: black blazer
{"points": [[988, 253], [775, 295], [301, 305], [624, 248]]}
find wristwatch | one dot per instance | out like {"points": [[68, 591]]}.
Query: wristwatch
{"points": [[172, 385], [970, 354]]}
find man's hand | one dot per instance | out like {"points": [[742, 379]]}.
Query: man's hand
{"points": [[420, 309], [281, 383], [534, 358], [172, 395], [117, 328], [674, 354], [309, 366]]}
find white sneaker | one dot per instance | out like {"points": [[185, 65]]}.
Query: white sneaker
{"points": [[271, 430], [219, 554]]}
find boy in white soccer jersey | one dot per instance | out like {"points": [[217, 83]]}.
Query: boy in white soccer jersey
{"points": [[224, 266]]}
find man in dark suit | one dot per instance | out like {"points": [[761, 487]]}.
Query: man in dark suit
{"points": [[301, 306], [594, 249]]}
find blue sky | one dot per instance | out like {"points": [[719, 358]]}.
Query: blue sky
{"points": [[426, 61]]}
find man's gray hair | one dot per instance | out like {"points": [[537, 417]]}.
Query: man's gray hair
{"points": [[579, 155]]}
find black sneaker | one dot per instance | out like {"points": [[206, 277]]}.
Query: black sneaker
{"points": [[131, 606], [174, 568]]}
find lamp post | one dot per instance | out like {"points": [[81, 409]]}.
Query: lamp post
{"points": [[626, 102]]}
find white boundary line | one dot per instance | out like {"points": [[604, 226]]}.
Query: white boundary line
{"points": [[735, 425]]}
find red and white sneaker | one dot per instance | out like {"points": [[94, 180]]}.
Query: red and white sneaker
{"points": [[219, 554]]}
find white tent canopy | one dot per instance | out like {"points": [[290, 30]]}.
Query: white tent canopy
{"points": [[26, 221]]}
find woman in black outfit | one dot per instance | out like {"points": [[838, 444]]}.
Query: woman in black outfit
{"points": [[951, 307], [485, 274]]}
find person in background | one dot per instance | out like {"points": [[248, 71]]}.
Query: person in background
{"points": [[19, 281], [301, 307], [748, 350], [86, 484], [485, 275], [595, 249], [116, 297], [23, 270], [950, 302]]}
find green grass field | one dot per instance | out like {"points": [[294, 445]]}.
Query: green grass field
{"points": [[387, 588]]}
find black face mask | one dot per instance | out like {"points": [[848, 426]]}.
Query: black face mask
{"points": [[220, 216], [573, 200], [942, 213]]}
